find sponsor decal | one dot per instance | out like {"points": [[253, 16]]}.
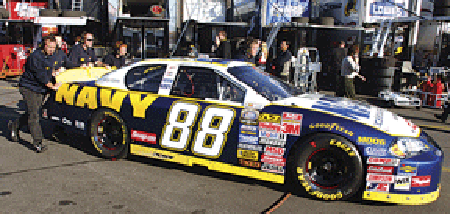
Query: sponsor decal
{"points": [[249, 115], [44, 113], [270, 127], [379, 119], [247, 154], [251, 130], [421, 181], [248, 163], [271, 134], [167, 80], [273, 142], [269, 118], [79, 124], [377, 187], [250, 139], [268, 150], [166, 86], [406, 169], [402, 183], [249, 122], [292, 123], [373, 151], [251, 147], [387, 170], [66, 121], [273, 159], [383, 161], [292, 116], [272, 168], [331, 126], [160, 156], [55, 118], [142, 136], [375, 178], [346, 109], [284, 128], [371, 140]]}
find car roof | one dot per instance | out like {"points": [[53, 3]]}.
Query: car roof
{"points": [[212, 62]]}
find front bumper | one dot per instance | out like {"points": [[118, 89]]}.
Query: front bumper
{"points": [[412, 181], [405, 199]]}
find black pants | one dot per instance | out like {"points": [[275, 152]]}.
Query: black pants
{"points": [[33, 101], [349, 88], [446, 112], [339, 85]]}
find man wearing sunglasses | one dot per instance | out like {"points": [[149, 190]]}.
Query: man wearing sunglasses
{"points": [[83, 55]]}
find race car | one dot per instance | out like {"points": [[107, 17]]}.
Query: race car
{"points": [[231, 117], [399, 99]]}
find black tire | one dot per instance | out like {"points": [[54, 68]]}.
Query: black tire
{"points": [[311, 155], [115, 140], [73, 13], [418, 107]]}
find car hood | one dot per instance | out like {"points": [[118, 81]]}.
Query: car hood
{"points": [[359, 111]]}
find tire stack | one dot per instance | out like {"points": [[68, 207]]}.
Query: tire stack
{"points": [[441, 8], [379, 74]]}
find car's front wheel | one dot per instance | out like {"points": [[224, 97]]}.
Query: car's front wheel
{"points": [[327, 167], [109, 134]]}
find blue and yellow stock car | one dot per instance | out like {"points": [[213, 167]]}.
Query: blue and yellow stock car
{"points": [[231, 117]]}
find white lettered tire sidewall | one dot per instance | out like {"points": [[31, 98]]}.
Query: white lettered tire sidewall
{"points": [[300, 177]]}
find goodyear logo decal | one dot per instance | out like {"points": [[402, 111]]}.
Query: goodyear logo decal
{"points": [[270, 118]]}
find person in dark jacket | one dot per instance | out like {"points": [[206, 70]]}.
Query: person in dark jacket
{"points": [[34, 83], [338, 56], [222, 48], [283, 56], [117, 58], [59, 56], [83, 55]]}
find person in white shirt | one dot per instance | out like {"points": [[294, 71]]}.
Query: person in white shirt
{"points": [[350, 69]]}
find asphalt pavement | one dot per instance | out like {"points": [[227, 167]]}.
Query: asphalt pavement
{"points": [[70, 178]]}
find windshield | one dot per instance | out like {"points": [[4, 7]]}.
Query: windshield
{"points": [[261, 82]]}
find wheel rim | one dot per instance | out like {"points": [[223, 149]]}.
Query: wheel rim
{"points": [[109, 134], [326, 169]]}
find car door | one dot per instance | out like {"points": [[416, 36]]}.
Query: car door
{"points": [[145, 81], [200, 120]]}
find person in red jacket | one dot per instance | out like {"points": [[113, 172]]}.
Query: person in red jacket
{"points": [[443, 117]]}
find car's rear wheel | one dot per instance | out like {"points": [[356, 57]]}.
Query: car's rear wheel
{"points": [[109, 134], [327, 167]]}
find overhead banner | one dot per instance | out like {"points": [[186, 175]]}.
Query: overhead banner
{"points": [[25, 10], [284, 10], [378, 10], [204, 10]]}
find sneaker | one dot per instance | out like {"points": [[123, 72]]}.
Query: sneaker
{"points": [[40, 148], [13, 131]]}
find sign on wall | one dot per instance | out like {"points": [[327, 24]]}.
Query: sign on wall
{"points": [[284, 10], [383, 9], [25, 10], [204, 10]]}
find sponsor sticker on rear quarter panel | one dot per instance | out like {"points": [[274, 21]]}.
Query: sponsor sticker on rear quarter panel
{"points": [[387, 170], [407, 170], [376, 178], [421, 181], [383, 161], [374, 151], [402, 183], [377, 187]]}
